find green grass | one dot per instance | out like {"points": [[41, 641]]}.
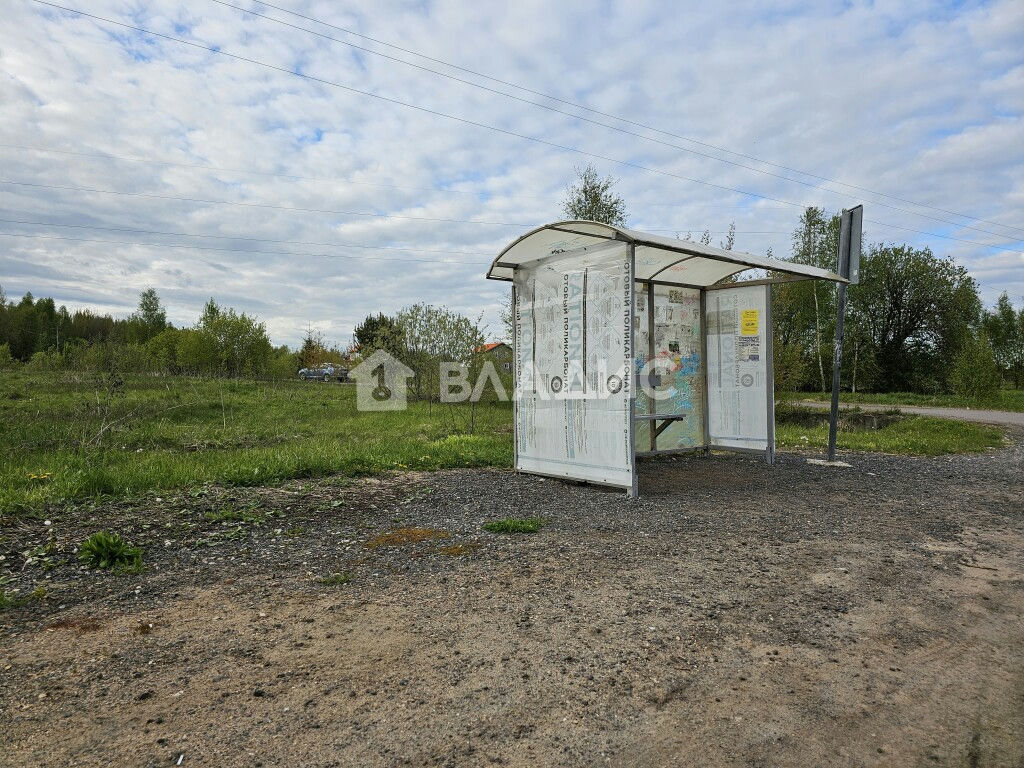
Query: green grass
{"points": [[14, 600], [515, 525], [1004, 400], [231, 514], [66, 439], [336, 579], [169, 433], [916, 435], [105, 550]]}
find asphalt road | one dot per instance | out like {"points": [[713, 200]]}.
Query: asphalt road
{"points": [[1004, 418]]}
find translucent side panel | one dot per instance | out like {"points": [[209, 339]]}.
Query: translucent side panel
{"points": [[739, 367], [641, 355], [678, 389], [678, 330], [574, 366]]}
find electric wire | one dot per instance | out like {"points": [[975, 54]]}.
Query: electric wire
{"points": [[138, 231], [467, 121], [426, 110], [234, 250], [222, 169], [258, 205], [591, 110], [445, 220]]}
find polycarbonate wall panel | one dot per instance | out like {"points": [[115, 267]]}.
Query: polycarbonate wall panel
{"points": [[740, 400], [574, 366], [679, 388]]}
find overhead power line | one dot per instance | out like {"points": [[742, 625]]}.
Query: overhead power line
{"points": [[455, 221], [425, 110], [261, 205], [222, 169], [339, 244], [619, 118], [319, 179], [463, 120], [138, 231], [249, 251]]}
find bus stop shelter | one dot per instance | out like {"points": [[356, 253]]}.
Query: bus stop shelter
{"points": [[628, 343]]}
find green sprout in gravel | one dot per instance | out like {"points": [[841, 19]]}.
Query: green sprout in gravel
{"points": [[14, 600], [516, 525], [106, 550]]}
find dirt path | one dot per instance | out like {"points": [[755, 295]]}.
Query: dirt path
{"points": [[737, 615], [981, 416]]}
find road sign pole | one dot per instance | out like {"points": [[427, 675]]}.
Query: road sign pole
{"points": [[849, 267], [837, 359]]}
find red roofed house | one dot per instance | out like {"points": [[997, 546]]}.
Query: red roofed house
{"points": [[499, 353]]}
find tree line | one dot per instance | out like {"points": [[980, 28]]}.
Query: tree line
{"points": [[915, 323], [222, 342]]}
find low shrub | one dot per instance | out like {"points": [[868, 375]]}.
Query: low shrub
{"points": [[106, 550]]}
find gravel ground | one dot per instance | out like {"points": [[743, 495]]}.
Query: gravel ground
{"points": [[737, 614]]}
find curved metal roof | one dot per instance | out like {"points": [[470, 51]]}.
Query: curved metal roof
{"points": [[665, 259]]}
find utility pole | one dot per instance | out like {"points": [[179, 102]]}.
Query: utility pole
{"points": [[849, 267]]}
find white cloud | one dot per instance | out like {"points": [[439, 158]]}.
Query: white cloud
{"points": [[914, 101]]}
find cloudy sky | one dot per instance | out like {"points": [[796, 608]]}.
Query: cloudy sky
{"points": [[130, 160]]}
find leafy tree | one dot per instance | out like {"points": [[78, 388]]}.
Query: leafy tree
{"points": [[378, 332], [46, 327], [804, 312], [730, 239], [162, 350], [150, 318], [283, 363], [4, 319], [224, 342], [211, 311], [975, 373], [591, 198], [507, 316], [313, 351], [917, 311], [23, 328], [196, 352], [1005, 330], [240, 341], [6, 360], [434, 335]]}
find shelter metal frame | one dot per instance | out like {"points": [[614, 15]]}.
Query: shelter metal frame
{"points": [[662, 261]]}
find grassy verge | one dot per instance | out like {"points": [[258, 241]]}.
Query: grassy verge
{"points": [[915, 435], [516, 525], [1005, 400], [69, 436]]}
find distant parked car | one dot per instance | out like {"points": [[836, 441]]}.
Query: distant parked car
{"points": [[326, 372]]}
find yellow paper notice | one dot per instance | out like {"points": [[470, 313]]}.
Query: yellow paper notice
{"points": [[748, 322]]}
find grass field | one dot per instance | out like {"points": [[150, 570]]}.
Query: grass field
{"points": [[916, 435], [1005, 400], [69, 436], [78, 436]]}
